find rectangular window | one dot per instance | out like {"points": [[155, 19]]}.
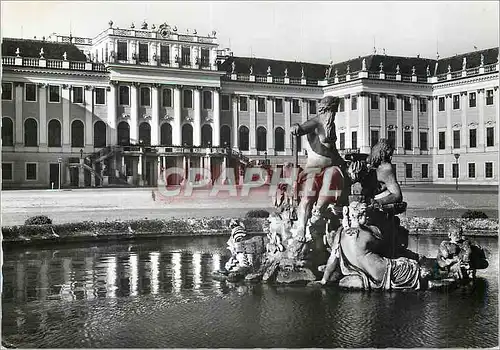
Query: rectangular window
{"points": [[7, 171], [488, 170], [490, 137], [261, 104], [440, 171], [342, 105], [30, 92], [424, 146], [31, 171], [312, 107], [423, 105], [124, 96], [295, 106], [7, 91], [472, 138], [408, 140], [409, 170], [186, 56], [77, 94], [243, 103], [278, 105], [407, 103], [145, 97], [425, 171], [455, 171], [143, 53], [164, 54], [354, 103], [456, 101], [122, 54], [342, 140], [442, 140], [205, 58], [374, 101], [207, 99], [489, 97], [441, 104], [100, 96], [54, 94], [472, 170], [374, 137], [391, 137], [472, 100], [166, 99], [225, 102], [188, 98], [354, 140], [391, 103], [456, 138]]}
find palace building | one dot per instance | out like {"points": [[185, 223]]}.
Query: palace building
{"points": [[120, 108]]}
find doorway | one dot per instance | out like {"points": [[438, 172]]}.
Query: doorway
{"points": [[54, 175]]}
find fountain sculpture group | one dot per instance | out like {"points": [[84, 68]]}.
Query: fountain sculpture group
{"points": [[338, 224]]}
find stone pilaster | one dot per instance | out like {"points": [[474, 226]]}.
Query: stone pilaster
{"points": [[416, 124], [89, 106], [111, 104], [19, 132], [42, 121], [234, 138], [197, 117], [134, 113], [176, 125], [399, 124], [253, 124], [155, 114], [270, 126], [288, 136], [66, 101], [383, 116], [481, 127], [216, 117]]}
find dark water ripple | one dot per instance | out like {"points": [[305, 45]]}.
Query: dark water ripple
{"points": [[161, 294]]}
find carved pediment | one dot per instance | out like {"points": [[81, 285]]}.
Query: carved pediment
{"points": [[167, 117], [125, 116]]}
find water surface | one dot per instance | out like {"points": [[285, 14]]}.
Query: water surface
{"points": [[160, 294]]}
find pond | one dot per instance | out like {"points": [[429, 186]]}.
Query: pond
{"points": [[160, 293]]}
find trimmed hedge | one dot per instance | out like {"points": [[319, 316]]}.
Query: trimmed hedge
{"points": [[474, 214], [257, 214], [38, 220]]}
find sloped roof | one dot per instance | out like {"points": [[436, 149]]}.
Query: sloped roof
{"points": [[242, 66], [31, 48], [473, 60]]}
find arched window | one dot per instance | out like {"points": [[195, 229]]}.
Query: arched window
{"points": [[123, 130], [54, 139], [206, 135], [187, 135], [261, 138], [77, 134], [30, 133], [166, 134], [279, 139], [99, 134], [7, 132], [145, 134], [243, 138], [225, 136]]}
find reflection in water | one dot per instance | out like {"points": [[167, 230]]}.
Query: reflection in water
{"points": [[87, 296]]}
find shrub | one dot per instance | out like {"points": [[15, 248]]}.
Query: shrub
{"points": [[257, 214], [474, 214], [38, 220]]}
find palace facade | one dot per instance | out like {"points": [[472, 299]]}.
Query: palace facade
{"points": [[120, 108]]}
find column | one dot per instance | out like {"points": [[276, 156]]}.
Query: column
{"points": [[383, 116], [234, 139], [435, 133], [463, 110], [111, 101], [66, 98], [92, 176], [89, 91], [364, 123], [197, 117], [19, 117], [430, 123], [288, 136], [176, 125], [81, 175], [347, 109], [134, 113], [42, 123], [253, 124], [416, 125], [449, 131], [270, 126], [304, 110], [399, 124], [140, 169], [480, 129], [216, 117], [155, 114]]}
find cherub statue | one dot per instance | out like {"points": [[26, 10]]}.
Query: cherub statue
{"points": [[268, 70], [239, 258], [233, 67]]}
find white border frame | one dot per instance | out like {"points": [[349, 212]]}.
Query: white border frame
{"points": [[239, 103], [492, 170], [36, 92], [475, 171], [59, 93], [11, 91], [95, 96], [11, 171], [26, 171], [73, 95], [119, 95]]}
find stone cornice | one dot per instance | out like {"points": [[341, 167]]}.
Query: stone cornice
{"points": [[462, 82], [55, 72]]}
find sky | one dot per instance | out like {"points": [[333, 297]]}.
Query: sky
{"points": [[300, 31]]}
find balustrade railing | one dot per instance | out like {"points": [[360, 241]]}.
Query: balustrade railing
{"points": [[8, 60], [278, 80], [295, 81], [354, 75], [455, 75], [406, 77], [77, 65], [390, 76], [490, 68], [312, 82], [31, 62], [54, 63], [243, 77], [472, 71], [373, 75], [261, 79]]}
